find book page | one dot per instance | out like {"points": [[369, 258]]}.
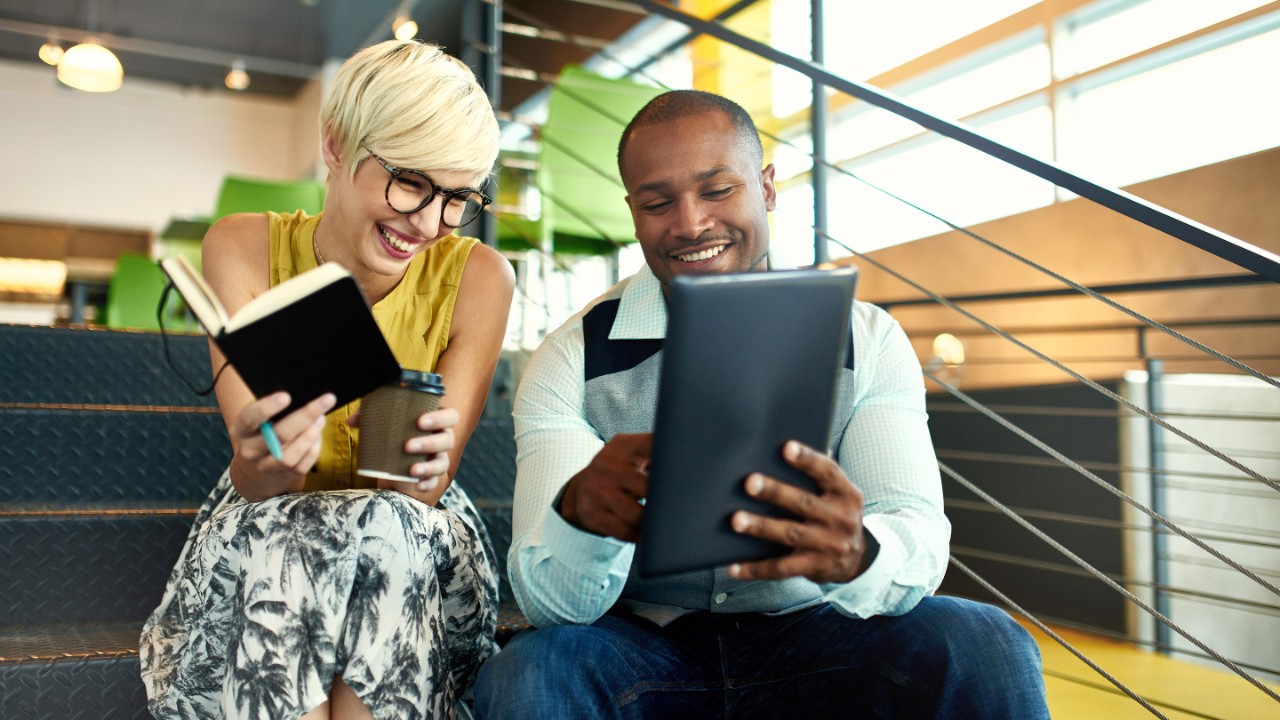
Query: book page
{"points": [[197, 294], [287, 292]]}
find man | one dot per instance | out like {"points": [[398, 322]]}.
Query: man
{"points": [[845, 624]]}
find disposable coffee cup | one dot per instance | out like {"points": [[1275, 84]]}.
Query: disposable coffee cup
{"points": [[389, 417]]}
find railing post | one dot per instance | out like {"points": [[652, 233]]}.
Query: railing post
{"points": [[482, 50], [1155, 456], [818, 128]]}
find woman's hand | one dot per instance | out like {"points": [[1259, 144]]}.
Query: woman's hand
{"points": [[254, 472], [427, 455]]}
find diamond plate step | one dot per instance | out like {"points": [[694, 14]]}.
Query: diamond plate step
{"points": [[99, 367], [99, 567]]}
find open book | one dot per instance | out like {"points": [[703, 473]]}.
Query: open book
{"points": [[311, 334]]}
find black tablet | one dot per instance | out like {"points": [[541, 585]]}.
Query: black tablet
{"points": [[750, 361]]}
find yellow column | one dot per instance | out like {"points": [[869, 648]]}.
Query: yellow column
{"points": [[727, 70]]}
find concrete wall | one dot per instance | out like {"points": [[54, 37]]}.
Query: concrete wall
{"points": [[137, 157]]}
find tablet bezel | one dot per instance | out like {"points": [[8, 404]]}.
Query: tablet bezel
{"points": [[783, 336]]}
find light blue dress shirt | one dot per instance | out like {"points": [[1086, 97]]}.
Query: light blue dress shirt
{"points": [[561, 574]]}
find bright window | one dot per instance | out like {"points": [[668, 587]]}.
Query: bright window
{"points": [[864, 39], [1107, 31], [949, 179], [1201, 110]]}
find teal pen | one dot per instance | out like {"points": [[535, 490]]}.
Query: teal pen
{"points": [[272, 440]]}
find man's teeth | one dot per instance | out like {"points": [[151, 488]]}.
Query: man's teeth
{"points": [[396, 242], [702, 255]]}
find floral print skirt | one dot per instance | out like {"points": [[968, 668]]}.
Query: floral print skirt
{"points": [[270, 600]]}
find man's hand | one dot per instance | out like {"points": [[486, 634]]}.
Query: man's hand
{"points": [[827, 539], [604, 498]]}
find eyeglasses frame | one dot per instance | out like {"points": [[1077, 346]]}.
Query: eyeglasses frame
{"points": [[394, 172]]}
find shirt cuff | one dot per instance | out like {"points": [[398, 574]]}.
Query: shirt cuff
{"points": [[579, 549], [863, 596]]}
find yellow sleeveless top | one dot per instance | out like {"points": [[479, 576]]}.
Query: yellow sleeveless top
{"points": [[414, 318]]}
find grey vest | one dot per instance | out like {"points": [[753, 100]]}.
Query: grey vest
{"points": [[621, 394]]}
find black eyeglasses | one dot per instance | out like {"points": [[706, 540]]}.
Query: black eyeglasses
{"points": [[408, 191]]}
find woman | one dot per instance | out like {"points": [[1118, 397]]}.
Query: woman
{"points": [[305, 590]]}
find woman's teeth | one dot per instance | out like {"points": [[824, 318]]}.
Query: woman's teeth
{"points": [[702, 255], [395, 242]]}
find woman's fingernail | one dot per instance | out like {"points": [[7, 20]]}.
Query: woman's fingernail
{"points": [[425, 422], [426, 485], [755, 484], [741, 522], [413, 447]]}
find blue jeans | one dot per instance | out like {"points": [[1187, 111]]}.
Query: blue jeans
{"points": [[947, 658]]}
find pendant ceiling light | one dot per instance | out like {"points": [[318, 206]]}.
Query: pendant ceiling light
{"points": [[90, 66]]}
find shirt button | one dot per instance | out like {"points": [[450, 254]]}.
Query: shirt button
{"points": [[721, 598]]}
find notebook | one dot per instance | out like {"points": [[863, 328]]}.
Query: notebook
{"points": [[750, 361]]}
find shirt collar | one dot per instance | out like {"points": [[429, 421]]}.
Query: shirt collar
{"points": [[642, 311]]}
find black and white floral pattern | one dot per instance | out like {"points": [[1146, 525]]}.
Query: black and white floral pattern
{"points": [[270, 600]]}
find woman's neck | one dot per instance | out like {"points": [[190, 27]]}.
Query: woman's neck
{"points": [[374, 286]]}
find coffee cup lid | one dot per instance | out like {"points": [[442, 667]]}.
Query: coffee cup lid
{"points": [[425, 381]]}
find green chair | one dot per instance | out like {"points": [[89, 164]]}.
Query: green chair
{"points": [[240, 194], [134, 292]]}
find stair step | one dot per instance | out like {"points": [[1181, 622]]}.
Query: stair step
{"points": [[110, 455], [71, 671], [100, 367], [87, 564]]}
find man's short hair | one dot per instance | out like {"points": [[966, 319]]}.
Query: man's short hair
{"points": [[679, 104], [414, 105]]}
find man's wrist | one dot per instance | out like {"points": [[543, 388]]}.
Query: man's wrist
{"points": [[564, 504], [870, 549]]}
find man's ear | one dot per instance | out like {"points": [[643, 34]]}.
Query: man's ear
{"points": [[770, 192]]}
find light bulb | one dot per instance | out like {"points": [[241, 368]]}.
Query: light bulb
{"points": [[90, 67], [51, 52], [404, 27], [949, 349], [237, 78]]}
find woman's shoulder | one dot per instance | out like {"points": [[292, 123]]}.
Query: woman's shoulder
{"points": [[457, 258], [236, 236], [234, 253], [487, 274]]}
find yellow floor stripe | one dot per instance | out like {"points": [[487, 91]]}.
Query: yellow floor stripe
{"points": [[1181, 689]]}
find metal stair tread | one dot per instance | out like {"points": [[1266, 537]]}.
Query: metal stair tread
{"points": [[66, 642], [122, 508]]}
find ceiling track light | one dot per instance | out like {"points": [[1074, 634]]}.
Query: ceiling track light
{"points": [[237, 77], [51, 51], [404, 27]]}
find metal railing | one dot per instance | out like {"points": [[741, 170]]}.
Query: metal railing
{"points": [[1147, 516]]}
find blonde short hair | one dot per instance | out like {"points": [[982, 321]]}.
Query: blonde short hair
{"points": [[414, 105]]}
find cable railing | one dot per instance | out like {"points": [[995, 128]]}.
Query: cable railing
{"points": [[1263, 268]]}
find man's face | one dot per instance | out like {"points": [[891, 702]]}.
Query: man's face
{"points": [[698, 197]]}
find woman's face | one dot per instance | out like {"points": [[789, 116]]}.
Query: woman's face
{"points": [[369, 233]]}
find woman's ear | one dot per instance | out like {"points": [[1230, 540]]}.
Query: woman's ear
{"points": [[329, 151]]}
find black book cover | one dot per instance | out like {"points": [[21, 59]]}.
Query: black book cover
{"points": [[327, 341]]}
